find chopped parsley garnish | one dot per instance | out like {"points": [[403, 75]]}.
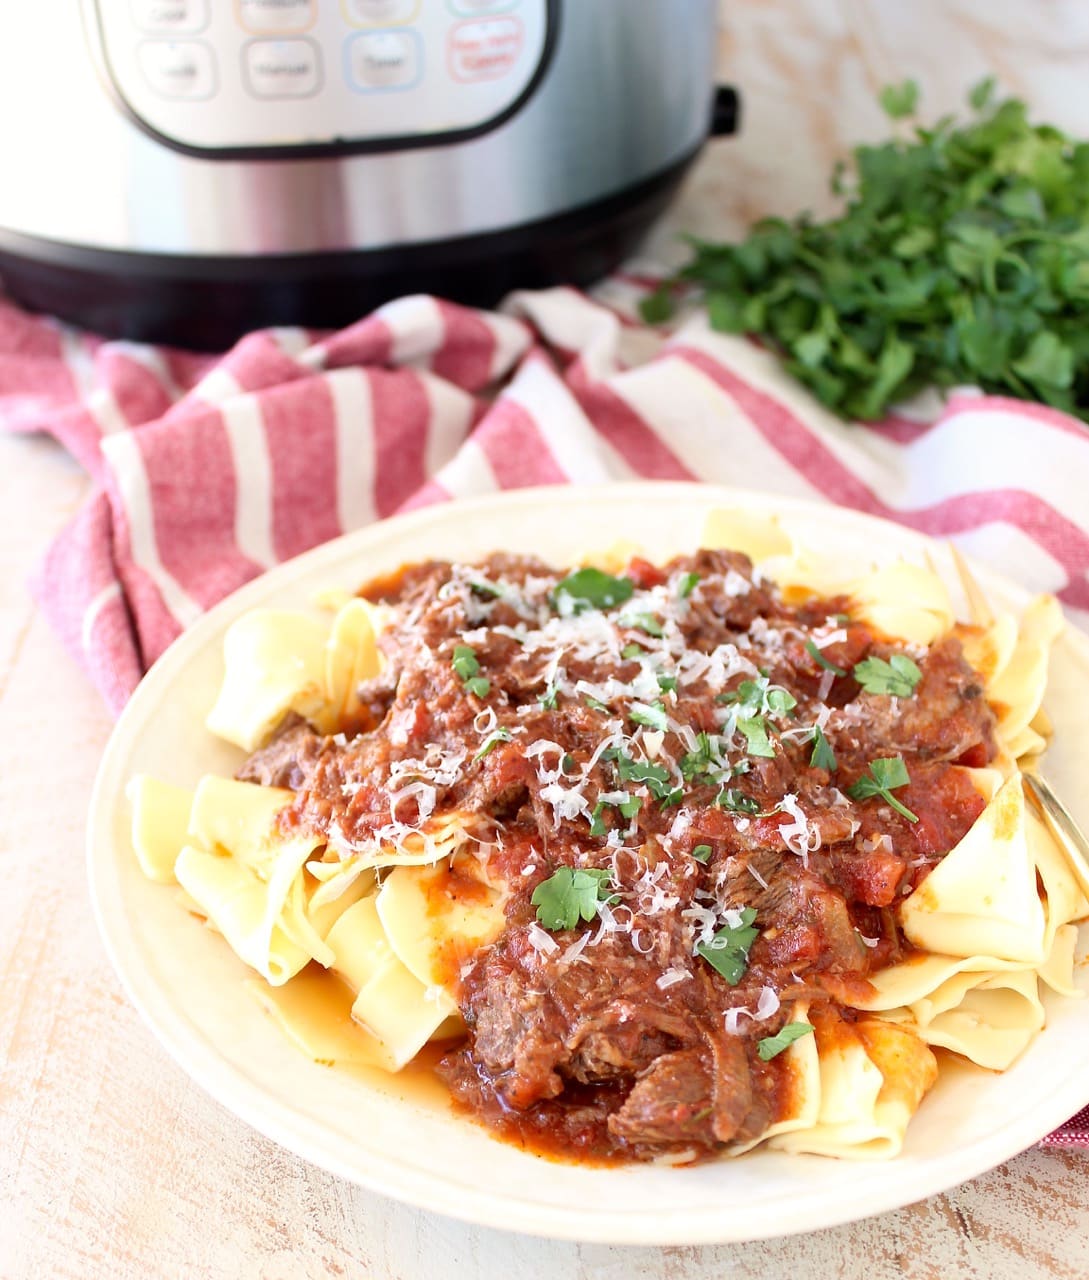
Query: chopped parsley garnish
{"points": [[667, 684], [593, 589], [755, 729], [821, 660], [688, 585], [884, 776], [485, 589], [699, 761], [652, 715], [771, 1046], [823, 756], [547, 700], [898, 677], [569, 895], [629, 808], [760, 698], [701, 852], [656, 776], [958, 258], [632, 651], [728, 950], [736, 801], [491, 742], [465, 662], [595, 704], [644, 621], [466, 666]]}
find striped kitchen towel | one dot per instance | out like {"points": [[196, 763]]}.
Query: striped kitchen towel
{"points": [[209, 470]]}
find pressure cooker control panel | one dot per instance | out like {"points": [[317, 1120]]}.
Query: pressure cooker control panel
{"points": [[250, 76]]}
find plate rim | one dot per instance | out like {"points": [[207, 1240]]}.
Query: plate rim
{"points": [[226, 1084]]}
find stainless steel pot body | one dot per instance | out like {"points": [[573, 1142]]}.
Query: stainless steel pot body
{"points": [[273, 127]]}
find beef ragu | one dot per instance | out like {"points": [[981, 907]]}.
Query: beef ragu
{"points": [[705, 803]]}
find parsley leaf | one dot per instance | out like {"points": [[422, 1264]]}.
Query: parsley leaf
{"points": [[884, 776], [465, 662], [632, 650], [569, 895], [771, 1046], [823, 756], [900, 100], [736, 801], [486, 589], [595, 704], [628, 808], [755, 729], [688, 585], [652, 715], [897, 677], [701, 852], [466, 665], [644, 621], [728, 951], [491, 742], [547, 700], [593, 589], [760, 698], [821, 660], [656, 776]]}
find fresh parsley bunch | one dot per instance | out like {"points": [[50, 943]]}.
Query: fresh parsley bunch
{"points": [[962, 257]]}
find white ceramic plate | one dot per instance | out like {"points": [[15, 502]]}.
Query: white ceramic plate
{"points": [[189, 987]]}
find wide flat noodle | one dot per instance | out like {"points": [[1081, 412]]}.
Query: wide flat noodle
{"points": [[981, 899], [762, 538], [160, 824], [237, 903], [314, 1012], [872, 1078], [904, 600], [1018, 688], [396, 1007], [436, 917], [248, 877], [274, 663], [351, 657]]}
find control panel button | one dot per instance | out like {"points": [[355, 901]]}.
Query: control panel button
{"points": [[371, 13], [384, 60], [484, 50], [283, 17], [282, 68], [470, 8], [178, 68], [167, 17]]}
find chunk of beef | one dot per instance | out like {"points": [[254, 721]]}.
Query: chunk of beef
{"points": [[289, 757], [947, 718], [670, 1104]]}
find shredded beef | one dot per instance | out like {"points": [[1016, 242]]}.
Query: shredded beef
{"points": [[614, 740]]}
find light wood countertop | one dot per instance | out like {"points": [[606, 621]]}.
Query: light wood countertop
{"points": [[114, 1165]]}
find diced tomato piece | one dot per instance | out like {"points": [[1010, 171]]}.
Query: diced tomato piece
{"points": [[644, 574]]}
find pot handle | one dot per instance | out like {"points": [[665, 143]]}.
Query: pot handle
{"points": [[725, 111]]}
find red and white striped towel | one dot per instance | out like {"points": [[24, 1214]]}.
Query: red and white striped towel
{"points": [[210, 470]]}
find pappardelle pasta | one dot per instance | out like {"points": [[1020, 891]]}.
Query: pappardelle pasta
{"points": [[669, 861]]}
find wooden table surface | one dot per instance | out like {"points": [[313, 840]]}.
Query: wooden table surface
{"points": [[112, 1164]]}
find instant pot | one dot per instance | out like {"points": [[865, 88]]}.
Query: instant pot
{"points": [[186, 170]]}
